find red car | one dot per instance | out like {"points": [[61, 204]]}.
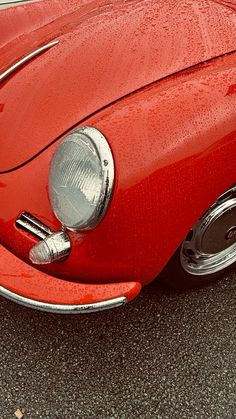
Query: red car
{"points": [[118, 142]]}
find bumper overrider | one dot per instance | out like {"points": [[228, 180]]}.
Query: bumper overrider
{"points": [[29, 287]]}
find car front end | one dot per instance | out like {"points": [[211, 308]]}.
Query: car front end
{"points": [[97, 150]]}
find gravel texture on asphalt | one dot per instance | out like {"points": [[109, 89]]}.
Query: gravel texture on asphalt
{"points": [[166, 355]]}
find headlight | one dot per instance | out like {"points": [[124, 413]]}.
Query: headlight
{"points": [[81, 179]]}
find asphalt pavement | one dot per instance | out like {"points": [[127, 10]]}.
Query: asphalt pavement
{"points": [[166, 355]]}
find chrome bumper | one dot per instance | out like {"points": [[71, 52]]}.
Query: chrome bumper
{"points": [[62, 308]]}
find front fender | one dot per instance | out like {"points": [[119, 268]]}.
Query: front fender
{"points": [[174, 147]]}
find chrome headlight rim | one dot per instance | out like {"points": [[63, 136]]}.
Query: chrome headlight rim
{"points": [[105, 156]]}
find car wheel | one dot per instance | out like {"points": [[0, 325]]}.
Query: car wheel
{"points": [[208, 249]]}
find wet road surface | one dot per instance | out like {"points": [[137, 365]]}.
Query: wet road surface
{"points": [[166, 355]]}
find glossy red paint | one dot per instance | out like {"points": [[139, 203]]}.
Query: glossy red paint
{"points": [[22, 279], [158, 192], [173, 142], [106, 51]]}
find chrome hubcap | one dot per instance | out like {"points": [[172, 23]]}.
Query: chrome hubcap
{"points": [[210, 245]]}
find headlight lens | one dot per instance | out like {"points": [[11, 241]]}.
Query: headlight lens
{"points": [[81, 179]]}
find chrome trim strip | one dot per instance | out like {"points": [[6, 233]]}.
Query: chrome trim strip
{"points": [[6, 4], [62, 308], [28, 57], [31, 224], [29, 217], [31, 229]]}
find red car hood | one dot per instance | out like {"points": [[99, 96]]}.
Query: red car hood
{"points": [[106, 50]]}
